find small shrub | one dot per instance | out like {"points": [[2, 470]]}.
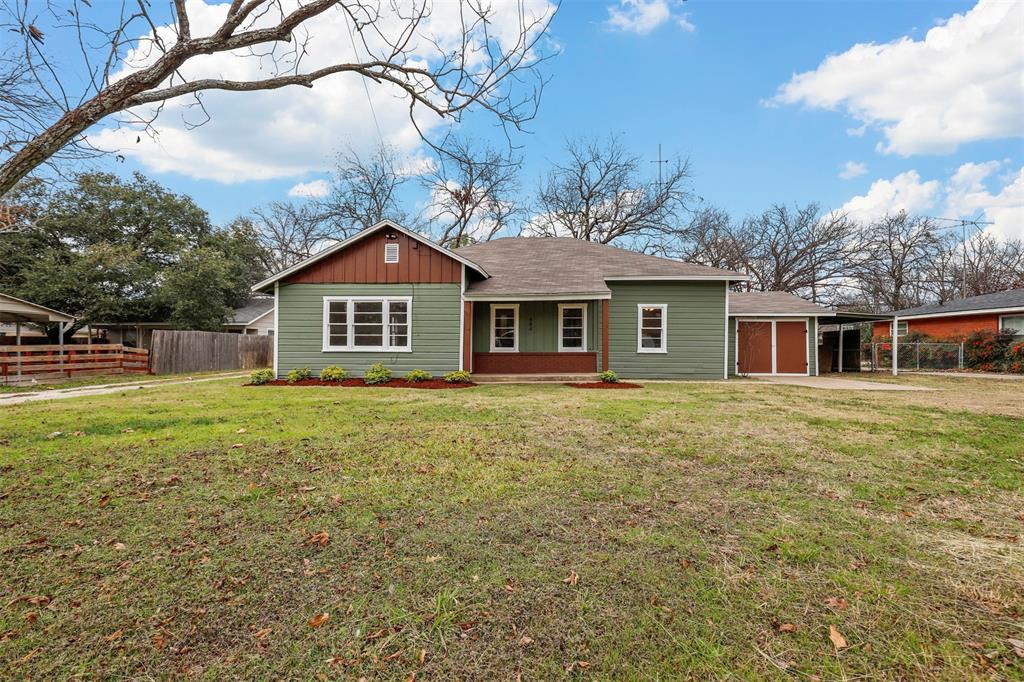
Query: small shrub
{"points": [[987, 350], [261, 376], [417, 375], [377, 374], [608, 377], [458, 377], [298, 374], [333, 373]]}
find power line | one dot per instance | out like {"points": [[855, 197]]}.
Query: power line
{"points": [[366, 88]]}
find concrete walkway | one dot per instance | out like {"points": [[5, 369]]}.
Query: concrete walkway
{"points": [[61, 393], [966, 375], [838, 384]]}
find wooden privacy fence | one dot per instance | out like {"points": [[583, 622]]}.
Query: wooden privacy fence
{"points": [[24, 364], [175, 352]]}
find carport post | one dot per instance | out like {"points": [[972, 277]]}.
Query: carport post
{"points": [[895, 345], [840, 349]]}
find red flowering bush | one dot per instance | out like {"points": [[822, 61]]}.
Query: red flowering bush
{"points": [[990, 351], [1015, 359]]}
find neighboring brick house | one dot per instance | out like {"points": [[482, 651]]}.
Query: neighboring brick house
{"points": [[529, 306], [955, 320]]}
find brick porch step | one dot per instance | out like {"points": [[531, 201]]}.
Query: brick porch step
{"points": [[532, 378]]}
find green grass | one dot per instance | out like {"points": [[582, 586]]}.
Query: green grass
{"points": [[696, 518], [84, 382]]}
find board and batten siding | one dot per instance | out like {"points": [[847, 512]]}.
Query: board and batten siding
{"points": [[435, 328], [812, 342], [538, 325], [696, 323]]}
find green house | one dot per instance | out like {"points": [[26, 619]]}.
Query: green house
{"points": [[516, 306]]}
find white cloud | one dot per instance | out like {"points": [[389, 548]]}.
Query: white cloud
{"points": [[961, 83], [313, 189], [643, 16], [853, 169], [966, 194], [293, 131], [905, 192]]}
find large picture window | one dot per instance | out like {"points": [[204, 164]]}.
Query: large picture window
{"points": [[505, 328], [572, 327], [367, 324], [652, 321], [1013, 324]]}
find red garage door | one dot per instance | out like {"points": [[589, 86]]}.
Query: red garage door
{"points": [[791, 347], [771, 347], [755, 348]]}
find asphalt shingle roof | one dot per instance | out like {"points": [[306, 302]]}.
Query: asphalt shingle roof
{"points": [[561, 266], [1011, 298], [772, 303], [255, 308]]}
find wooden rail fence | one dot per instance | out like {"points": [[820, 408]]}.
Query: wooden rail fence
{"points": [[177, 352], [25, 364]]}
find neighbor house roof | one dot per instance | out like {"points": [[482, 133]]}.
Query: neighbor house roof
{"points": [[1001, 300], [252, 311], [562, 266], [14, 309], [744, 303]]}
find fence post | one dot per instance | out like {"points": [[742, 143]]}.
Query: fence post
{"points": [[960, 357], [917, 354]]}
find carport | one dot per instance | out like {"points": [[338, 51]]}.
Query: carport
{"points": [[842, 320], [18, 311]]}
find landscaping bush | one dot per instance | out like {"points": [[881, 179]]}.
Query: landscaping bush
{"points": [[377, 374], [457, 377], [608, 377], [988, 351], [1015, 359], [333, 373], [298, 374], [261, 376], [417, 375]]}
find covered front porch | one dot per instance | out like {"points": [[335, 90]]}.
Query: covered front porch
{"points": [[567, 336]]}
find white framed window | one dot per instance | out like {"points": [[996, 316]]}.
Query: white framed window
{"points": [[367, 323], [391, 252], [1013, 324], [572, 327], [504, 327], [651, 328], [901, 329]]}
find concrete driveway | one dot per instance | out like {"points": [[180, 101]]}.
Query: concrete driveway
{"points": [[62, 393], [840, 384]]}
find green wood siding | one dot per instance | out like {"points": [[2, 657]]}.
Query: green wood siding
{"points": [[538, 326], [435, 328], [696, 324], [812, 343]]}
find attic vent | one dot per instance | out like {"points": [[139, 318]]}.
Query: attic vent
{"points": [[391, 253]]}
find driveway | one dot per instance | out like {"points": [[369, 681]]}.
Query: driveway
{"points": [[60, 393], [839, 384]]}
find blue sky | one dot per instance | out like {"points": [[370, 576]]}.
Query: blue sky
{"points": [[703, 80]]}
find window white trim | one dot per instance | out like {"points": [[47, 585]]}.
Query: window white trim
{"points": [[386, 302], [1002, 317], [515, 327], [391, 252], [639, 327], [896, 326], [561, 339]]}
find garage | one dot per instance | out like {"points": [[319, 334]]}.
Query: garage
{"points": [[772, 347]]}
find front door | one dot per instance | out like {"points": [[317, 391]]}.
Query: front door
{"points": [[754, 348], [790, 347]]}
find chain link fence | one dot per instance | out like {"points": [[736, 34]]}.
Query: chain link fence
{"points": [[912, 356]]}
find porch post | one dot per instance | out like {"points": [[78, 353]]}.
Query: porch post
{"points": [[467, 336], [604, 335], [895, 346], [840, 349]]}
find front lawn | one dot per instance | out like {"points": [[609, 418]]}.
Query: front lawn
{"points": [[678, 530]]}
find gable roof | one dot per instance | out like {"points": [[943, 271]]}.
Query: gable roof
{"points": [[14, 309], [265, 285], [562, 266], [252, 311], [743, 303], [1000, 300]]}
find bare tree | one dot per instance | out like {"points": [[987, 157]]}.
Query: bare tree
{"points": [[598, 195], [992, 265], [128, 75], [290, 233], [890, 272], [709, 239], [472, 194], [365, 190]]}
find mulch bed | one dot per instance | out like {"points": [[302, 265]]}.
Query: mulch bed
{"points": [[604, 384], [394, 383]]}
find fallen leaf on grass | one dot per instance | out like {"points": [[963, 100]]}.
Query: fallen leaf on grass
{"points": [[237, 446], [260, 634], [241, 430], [31, 616], [104, 500], [837, 603], [317, 621], [113, 635], [525, 641], [572, 579], [321, 538], [1018, 647], [787, 627], [433, 559], [583, 664], [160, 641], [838, 641], [127, 430], [29, 656]]}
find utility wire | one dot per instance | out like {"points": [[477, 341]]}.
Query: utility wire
{"points": [[366, 88]]}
